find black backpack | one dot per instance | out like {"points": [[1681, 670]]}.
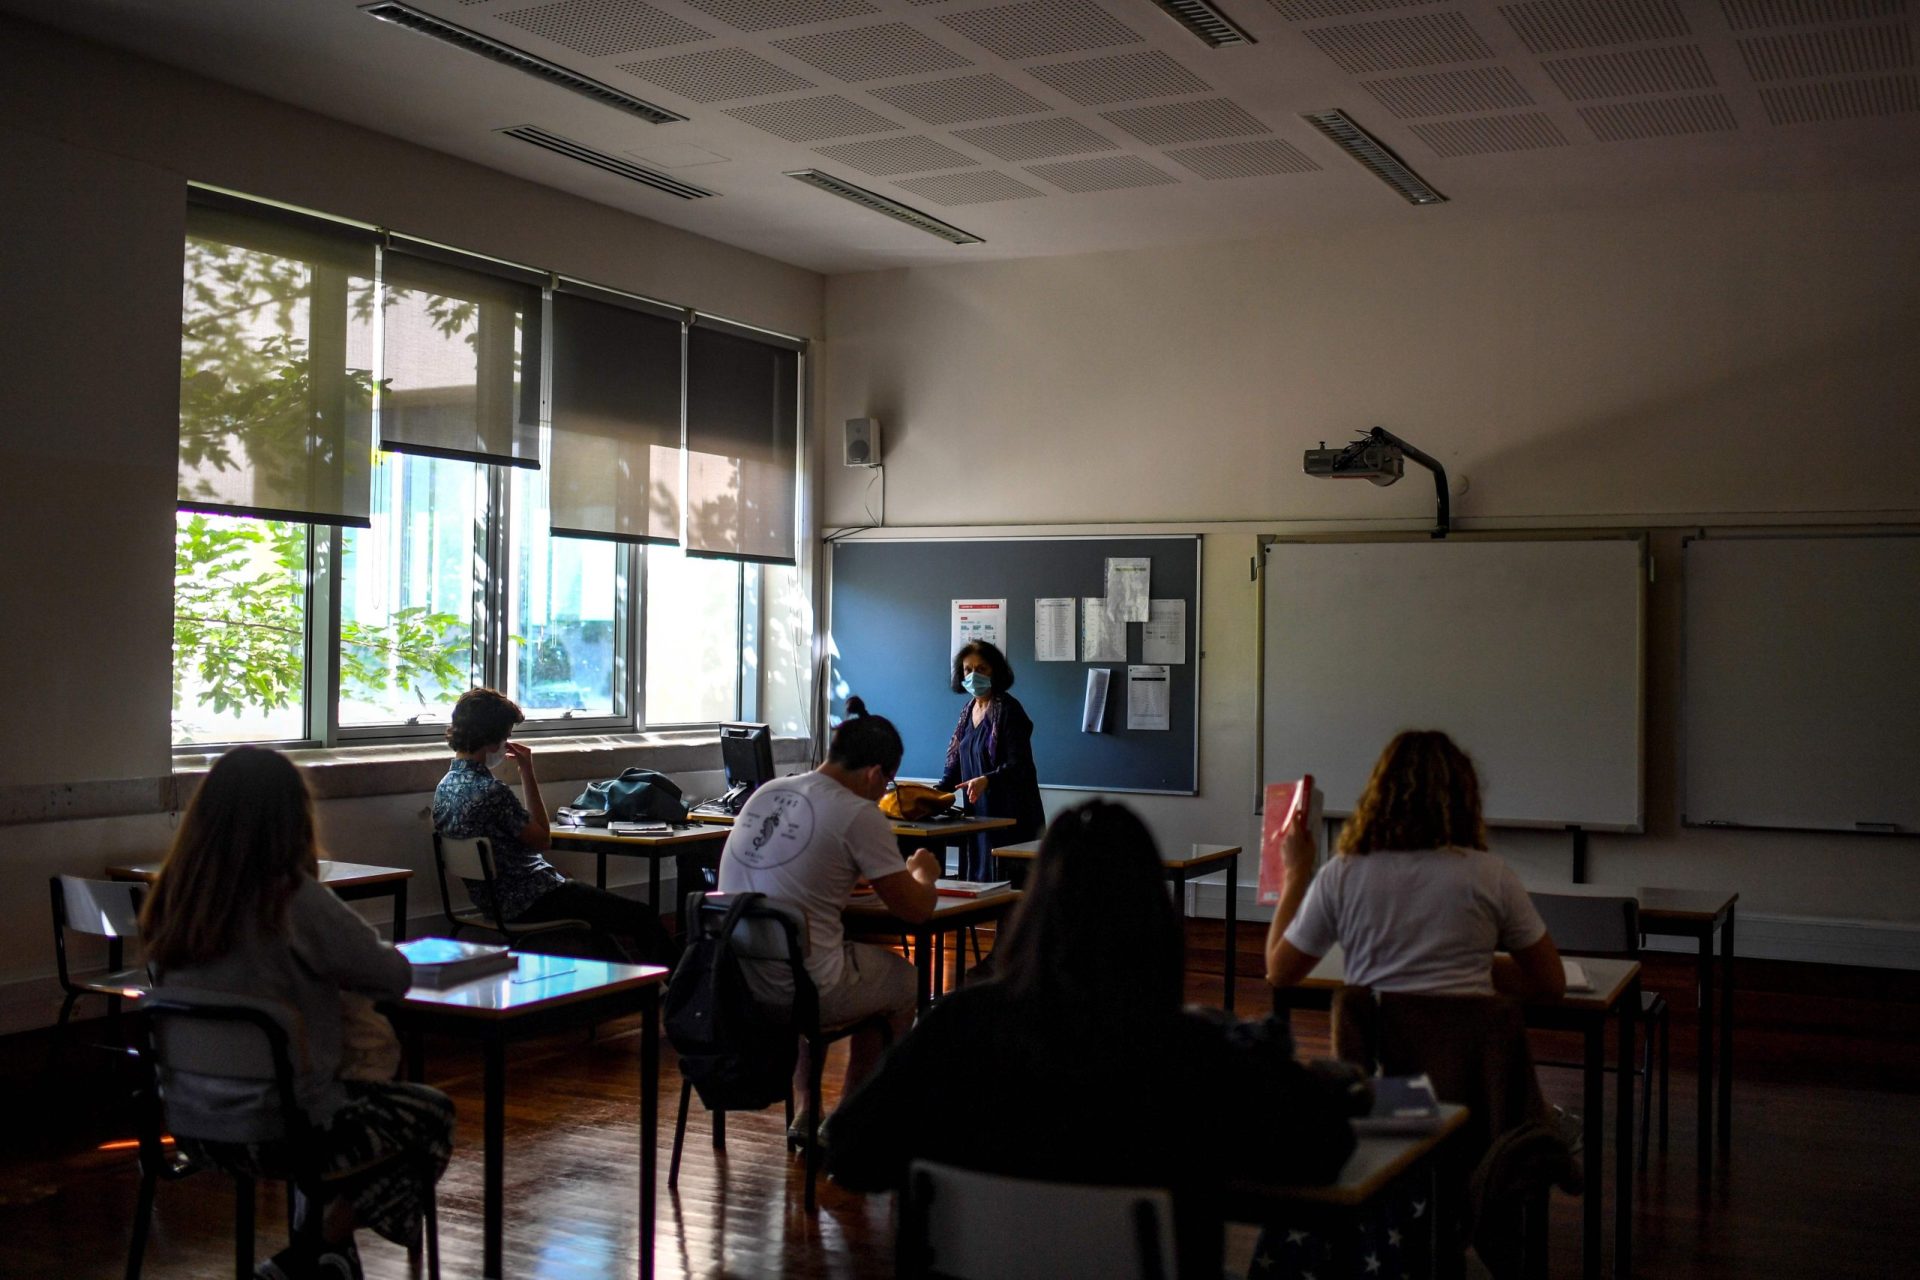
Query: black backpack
{"points": [[736, 1054]]}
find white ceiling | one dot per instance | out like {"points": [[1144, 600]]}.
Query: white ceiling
{"points": [[1017, 120]]}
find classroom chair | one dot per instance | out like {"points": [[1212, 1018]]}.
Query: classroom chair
{"points": [[766, 932], [1610, 926], [981, 1226], [107, 909], [1508, 1155], [239, 1052], [473, 860]]}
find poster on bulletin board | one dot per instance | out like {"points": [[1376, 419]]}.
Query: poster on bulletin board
{"points": [[979, 620]]}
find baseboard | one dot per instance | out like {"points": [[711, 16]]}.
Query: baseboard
{"points": [[1874, 944]]}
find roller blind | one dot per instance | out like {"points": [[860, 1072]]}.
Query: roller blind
{"points": [[743, 401], [460, 373], [616, 422], [276, 366]]}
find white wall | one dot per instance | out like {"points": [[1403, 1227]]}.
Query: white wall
{"points": [[1746, 360], [94, 163]]}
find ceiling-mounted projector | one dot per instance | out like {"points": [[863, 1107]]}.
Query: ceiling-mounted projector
{"points": [[1380, 456], [1364, 459]]}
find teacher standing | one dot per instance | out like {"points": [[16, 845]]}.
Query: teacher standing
{"points": [[990, 757]]}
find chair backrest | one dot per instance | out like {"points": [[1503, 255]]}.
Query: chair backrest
{"points": [[470, 859], [98, 908], [224, 1065], [1591, 925], [982, 1226]]}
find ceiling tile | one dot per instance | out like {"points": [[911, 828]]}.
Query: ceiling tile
{"points": [[1661, 69], [1395, 44], [1449, 93], [1040, 27], [1186, 121], [716, 75], [978, 187], [597, 27], [813, 119], [1748, 15], [1554, 26], [1036, 139], [1835, 51], [960, 99], [1126, 77], [1527, 131], [1263, 158], [1659, 118], [1841, 99], [1308, 10], [769, 15], [884, 157], [872, 53], [1109, 174]]}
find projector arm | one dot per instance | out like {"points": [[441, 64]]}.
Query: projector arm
{"points": [[1445, 524]]}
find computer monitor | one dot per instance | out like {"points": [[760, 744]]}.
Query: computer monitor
{"points": [[746, 754]]}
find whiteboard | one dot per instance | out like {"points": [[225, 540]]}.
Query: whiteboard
{"points": [[1798, 704], [1527, 653]]}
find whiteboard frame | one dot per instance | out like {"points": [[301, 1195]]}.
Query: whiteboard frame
{"points": [[1640, 536], [825, 694]]}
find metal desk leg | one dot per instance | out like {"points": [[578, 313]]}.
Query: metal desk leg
{"points": [[1593, 1129], [1726, 1033], [1233, 926], [599, 869], [493, 1147], [923, 968], [1704, 1034], [649, 1126], [399, 910], [1623, 1135], [653, 884]]}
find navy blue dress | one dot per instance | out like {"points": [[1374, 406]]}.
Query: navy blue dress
{"points": [[1005, 760]]}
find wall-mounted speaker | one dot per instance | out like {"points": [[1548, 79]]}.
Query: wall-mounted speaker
{"points": [[863, 442]]}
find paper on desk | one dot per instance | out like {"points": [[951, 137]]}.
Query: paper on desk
{"points": [[1164, 638], [1103, 638], [1129, 579], [1094, 718], [1577, 979], [1053, 629], [1149, 698]]}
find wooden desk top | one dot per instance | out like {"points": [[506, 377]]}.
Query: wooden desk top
{"points": [[1608, 976], [870, 915], [335, 875], [1656, 904], [905, 830], [536, 982], [682, 833], [1197, 855], [1376, 1161]]}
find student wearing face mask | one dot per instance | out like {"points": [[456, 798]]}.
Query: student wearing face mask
{"points": [[990, 757], [471, 802]]}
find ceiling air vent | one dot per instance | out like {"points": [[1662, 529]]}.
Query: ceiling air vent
{"points": [[1206, 22], [426, 24], [600, 160], [1365, 148], [880, 204]]}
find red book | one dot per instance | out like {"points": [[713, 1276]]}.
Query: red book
{"points": [[1286, 804]]}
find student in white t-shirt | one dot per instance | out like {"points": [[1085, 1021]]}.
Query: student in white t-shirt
{"points": [[1414, 899], [804, 841]]}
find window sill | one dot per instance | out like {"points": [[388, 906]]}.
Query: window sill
{"points": [[345, 773]]}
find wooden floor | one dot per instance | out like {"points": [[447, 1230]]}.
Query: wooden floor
{"points": [[1823, 1182]]}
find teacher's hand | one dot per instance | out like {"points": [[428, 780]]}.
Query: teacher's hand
{"points": [[975, 788]]}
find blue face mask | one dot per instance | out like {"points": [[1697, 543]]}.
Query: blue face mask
{"points": [[977, 683]]}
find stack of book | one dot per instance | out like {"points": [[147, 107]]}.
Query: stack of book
{"points": [[443, 962]]}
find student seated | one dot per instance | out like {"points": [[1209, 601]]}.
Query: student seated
{"points": [[239, 908], [1076, 1062], [471, 802], [1414, 899], [804, 842]]}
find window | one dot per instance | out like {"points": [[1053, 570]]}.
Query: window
{"points": [[374, 519]]}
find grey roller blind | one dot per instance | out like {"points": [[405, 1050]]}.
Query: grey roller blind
{"points": [[616, 422], [276, 366], [460, 373], [743, 403]]}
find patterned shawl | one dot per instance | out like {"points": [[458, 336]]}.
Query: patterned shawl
{"points": [[994, 709]]}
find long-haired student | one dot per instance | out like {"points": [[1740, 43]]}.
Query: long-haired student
{"points": [[238, 909]]}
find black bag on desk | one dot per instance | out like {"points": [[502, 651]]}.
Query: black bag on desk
{"points": [[637, 795], [736, 1055]]}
